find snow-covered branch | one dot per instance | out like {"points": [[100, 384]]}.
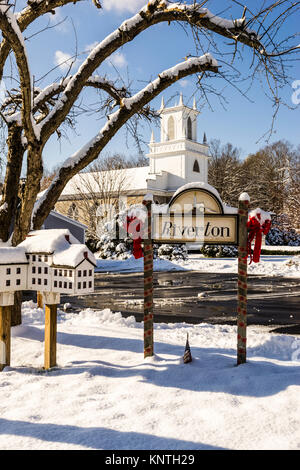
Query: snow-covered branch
{"points": [[24, 18], [11, 31], [153, 13], [128, 107]]}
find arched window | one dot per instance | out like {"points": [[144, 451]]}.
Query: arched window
{"points": [[171, 128], [196, 166], [73, 212], [189, 129]]}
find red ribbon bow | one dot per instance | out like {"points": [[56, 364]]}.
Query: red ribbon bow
{"points": [[133, 227], [256, 229]]}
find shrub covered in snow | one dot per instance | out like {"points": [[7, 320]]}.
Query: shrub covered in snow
{"points": [[170, 252], [278, 237], [219, 251], [107, 248]]}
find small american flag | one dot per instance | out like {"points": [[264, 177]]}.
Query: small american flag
{"points": [[187, 357]]}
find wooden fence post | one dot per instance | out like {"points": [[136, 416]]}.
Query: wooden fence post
{"points": [[148, 284], [5, 324], [244, 200]]}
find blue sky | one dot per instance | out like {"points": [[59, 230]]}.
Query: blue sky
{"points": [[242, 123]]}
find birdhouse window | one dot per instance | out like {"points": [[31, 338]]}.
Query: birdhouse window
{"points": [[196, 168], [8, 271]]}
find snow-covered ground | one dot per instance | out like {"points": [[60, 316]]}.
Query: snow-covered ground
{"points": [[288, 266], [104, 395]]}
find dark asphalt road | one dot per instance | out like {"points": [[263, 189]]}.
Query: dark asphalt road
{"points": [[273, 301]]}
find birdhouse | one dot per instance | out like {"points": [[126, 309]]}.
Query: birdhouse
{"points": [[13, 269], [48, 261]]}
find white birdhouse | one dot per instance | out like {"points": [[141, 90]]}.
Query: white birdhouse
{"points": [[48, 261], [13, 269]]}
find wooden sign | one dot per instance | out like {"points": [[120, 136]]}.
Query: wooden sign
{"points": [[211, 229]]}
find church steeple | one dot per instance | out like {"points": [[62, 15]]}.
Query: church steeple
{"points": [[178, 157], [179, 122]]}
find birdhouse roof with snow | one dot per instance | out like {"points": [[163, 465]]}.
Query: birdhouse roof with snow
{"points": [[10, 255], [65, 249]]}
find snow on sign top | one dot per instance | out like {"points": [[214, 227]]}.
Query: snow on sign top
{"points": [[244, 197]]}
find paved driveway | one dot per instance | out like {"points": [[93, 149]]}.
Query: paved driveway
{"points": [[196, 297]]}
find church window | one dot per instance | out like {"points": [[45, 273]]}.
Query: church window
{"points": [[171, 128], [189, 129], [196, 167]]}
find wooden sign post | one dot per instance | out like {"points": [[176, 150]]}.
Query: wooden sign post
{"points": [[244, 200], [148, 284]]}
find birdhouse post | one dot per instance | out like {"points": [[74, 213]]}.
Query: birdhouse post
{"points": [[6, 301], [50, 300]]}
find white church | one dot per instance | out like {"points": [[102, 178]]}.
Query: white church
{"points": [[177, 159]]}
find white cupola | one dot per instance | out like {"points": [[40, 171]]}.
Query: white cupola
{"points": [[178, 153]]}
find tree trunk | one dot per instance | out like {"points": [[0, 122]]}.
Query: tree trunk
{"points": [[11, 182]]}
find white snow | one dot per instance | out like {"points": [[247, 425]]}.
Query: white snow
{"points": [[244, 197], [10, 255], [104, 395], [264, 215], [269, 265], [68, 253]]}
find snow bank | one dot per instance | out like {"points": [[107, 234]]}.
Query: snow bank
{"points": [[104, 395], [285, 266]]}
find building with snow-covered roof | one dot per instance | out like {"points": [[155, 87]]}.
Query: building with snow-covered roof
{"points": [[48, 261], [176, 159]]}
